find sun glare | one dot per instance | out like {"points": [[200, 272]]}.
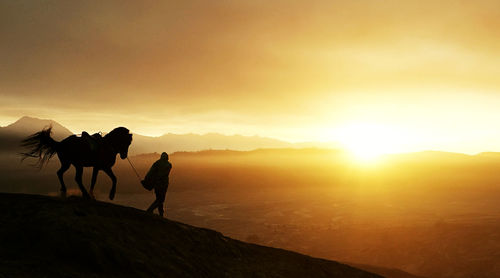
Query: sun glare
{"points": [[367, 142]]}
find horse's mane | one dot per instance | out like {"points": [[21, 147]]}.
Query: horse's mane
{"points": [[118, 133]]}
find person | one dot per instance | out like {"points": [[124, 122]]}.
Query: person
{"points": [[157, 179]]}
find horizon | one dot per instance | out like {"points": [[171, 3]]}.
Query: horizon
{"points": [[370, 159]]}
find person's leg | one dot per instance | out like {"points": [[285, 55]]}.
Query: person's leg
{"points": [[160, 198], [155, 204], [152, 206], [160, 209]]}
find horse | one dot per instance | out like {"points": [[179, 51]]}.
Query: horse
{"points": [[80, 152]]}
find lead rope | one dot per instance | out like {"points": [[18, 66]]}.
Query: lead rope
{"points": [[137, 174]]}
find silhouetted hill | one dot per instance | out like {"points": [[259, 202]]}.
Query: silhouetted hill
{"points": [[50, 237], [386, 272]]}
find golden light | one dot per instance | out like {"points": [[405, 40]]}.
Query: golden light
{"points": [[367, 142]]}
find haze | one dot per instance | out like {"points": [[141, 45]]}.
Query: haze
{"points": [[413, 75]]}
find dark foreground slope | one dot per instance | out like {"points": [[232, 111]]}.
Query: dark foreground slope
{"points": [[51, 237]]}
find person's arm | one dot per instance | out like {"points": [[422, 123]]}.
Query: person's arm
{"points": [[169, 168]]}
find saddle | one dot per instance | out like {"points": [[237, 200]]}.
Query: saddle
{"points": [[93, 141]]}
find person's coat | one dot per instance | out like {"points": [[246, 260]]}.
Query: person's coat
{"points": [[158, 173]]}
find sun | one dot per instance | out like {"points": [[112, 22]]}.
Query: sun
{"points": [[368, 142], [365, 153]]}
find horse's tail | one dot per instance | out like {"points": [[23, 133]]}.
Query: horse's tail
{"points": [[40, 145]]}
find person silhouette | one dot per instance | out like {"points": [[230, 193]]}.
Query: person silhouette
{"points": [[158, 178]]}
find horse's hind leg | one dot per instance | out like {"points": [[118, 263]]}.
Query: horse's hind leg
{"points": [[95, 171], [60, 173], [78, 179]]}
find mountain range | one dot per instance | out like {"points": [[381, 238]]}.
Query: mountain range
{"points": [[12, 134]]}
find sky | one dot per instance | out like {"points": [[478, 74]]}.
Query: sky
{"points": [[391, 75]]}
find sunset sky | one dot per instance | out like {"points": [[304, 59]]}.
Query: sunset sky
{"points": [[403, 75]]}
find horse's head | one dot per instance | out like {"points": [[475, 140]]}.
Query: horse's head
{"points": [[121, 139], [124, 148]]}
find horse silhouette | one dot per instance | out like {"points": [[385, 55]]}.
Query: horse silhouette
{"points": [[80, 152]]}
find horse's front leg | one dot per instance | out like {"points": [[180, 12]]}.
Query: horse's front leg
{"points": [[95, 171], [113, 179]]}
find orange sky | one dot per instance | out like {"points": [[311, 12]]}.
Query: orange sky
{"points": [[417, 74]]}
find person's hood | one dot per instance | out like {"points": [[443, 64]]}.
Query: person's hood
{"points": [[164, 155]]}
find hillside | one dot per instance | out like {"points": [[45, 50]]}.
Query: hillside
{"points": [[52, 237]]}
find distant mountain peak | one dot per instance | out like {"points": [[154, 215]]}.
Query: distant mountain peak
{"points": [[27, 120], [28, 125]]}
